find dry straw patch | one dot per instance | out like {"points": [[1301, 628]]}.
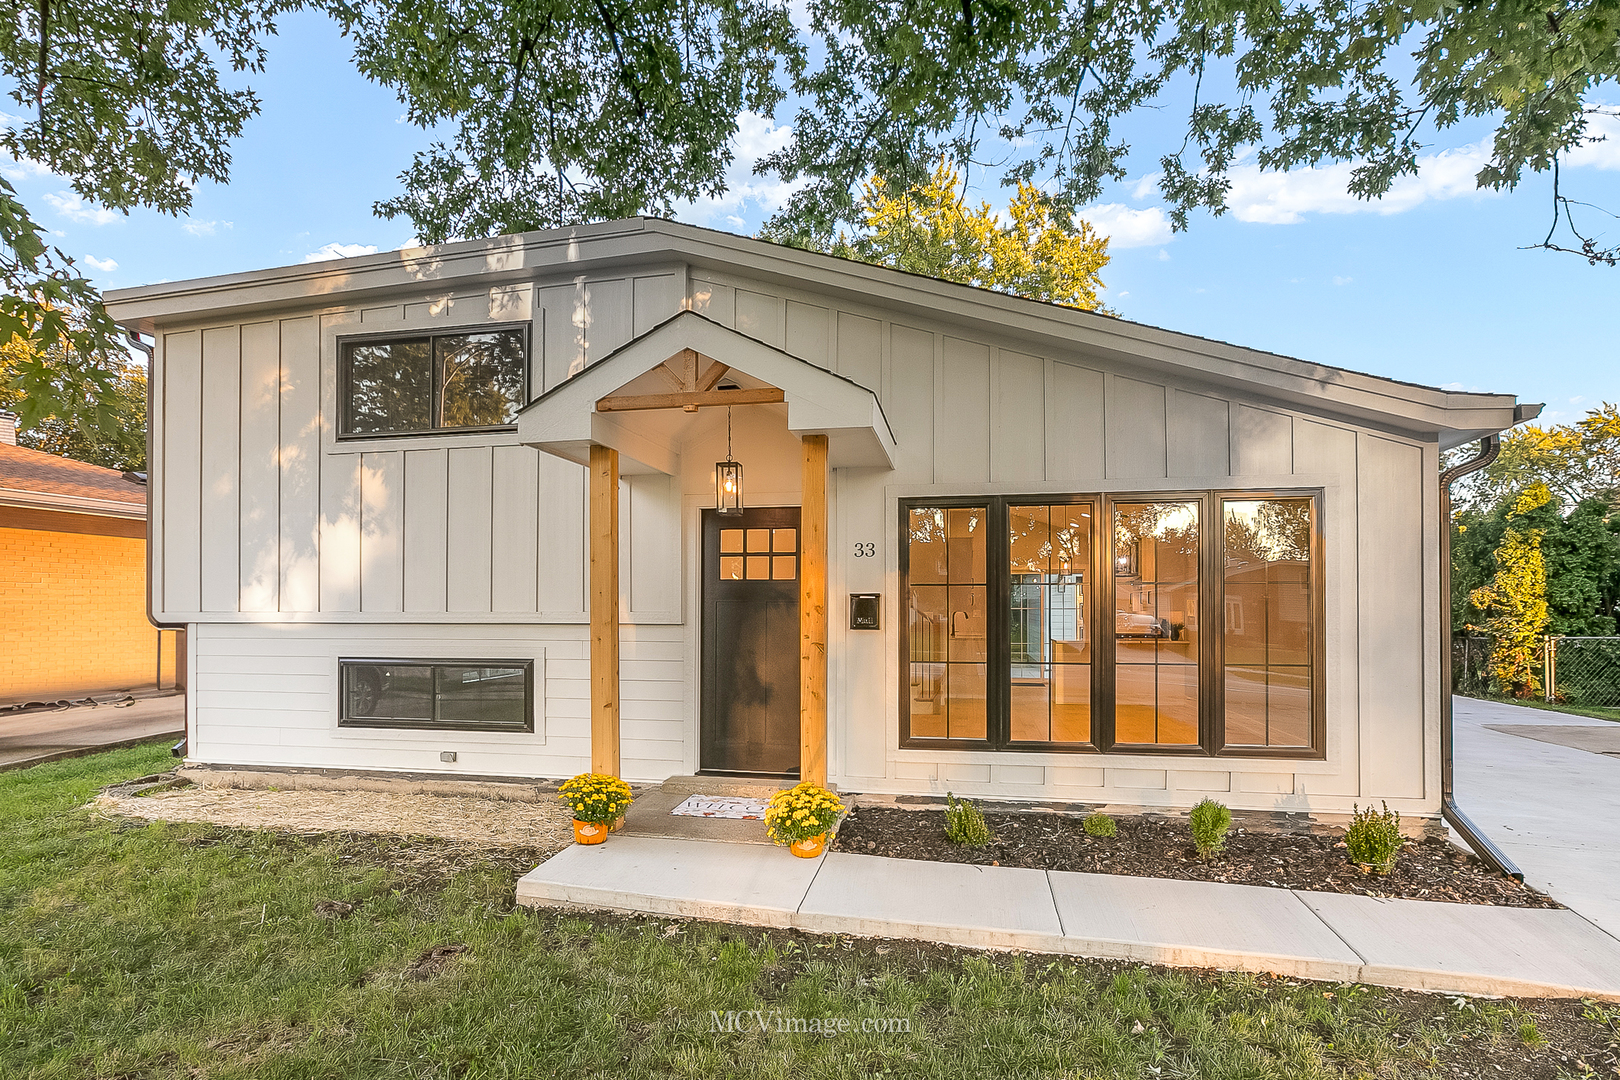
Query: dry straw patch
{"points": [[499, 823]]}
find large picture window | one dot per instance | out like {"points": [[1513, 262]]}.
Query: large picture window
{"points": [[440, 382], [460, 695], [1082, 623]]}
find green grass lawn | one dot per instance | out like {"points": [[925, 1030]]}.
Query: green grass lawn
{"points": [[154, 951]]}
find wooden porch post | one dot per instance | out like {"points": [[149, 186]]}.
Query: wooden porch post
{"points": [[813, 613], [604, 532]]}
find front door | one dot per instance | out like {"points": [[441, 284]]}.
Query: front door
{"points": [[750, 715]]}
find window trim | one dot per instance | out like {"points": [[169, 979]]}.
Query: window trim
{"points": [[526, 664], [1211, 599], [396, 335]]}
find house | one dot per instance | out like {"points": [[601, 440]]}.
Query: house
{"points": [[73, 579], [654, 499]]}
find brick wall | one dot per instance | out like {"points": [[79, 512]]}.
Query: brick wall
{"points": [[73, 615]]}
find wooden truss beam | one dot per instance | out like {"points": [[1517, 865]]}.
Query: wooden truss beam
{"points": [[690, 401]]}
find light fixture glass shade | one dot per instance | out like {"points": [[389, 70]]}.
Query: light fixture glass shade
{"points": [[728, 487]]}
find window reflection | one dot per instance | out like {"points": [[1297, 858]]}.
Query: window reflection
{"points": [[1049, 551], [1269, 632], [1156, 626], [947, 622]]}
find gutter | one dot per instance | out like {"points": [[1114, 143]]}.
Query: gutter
{"points": [[180, 748], [1489, 447]]}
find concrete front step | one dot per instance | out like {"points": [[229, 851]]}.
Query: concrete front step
{"points": [[1415, 944]]}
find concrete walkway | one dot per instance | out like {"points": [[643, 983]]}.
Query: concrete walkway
{"points": [[1407, 943], [31, 738], [1551, 808]]}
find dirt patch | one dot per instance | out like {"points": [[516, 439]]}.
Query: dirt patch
{"points": [[1147, 846], [495, 823], [433, 962]]}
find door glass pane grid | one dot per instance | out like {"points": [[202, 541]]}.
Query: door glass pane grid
{"points": [[1156, 626], [1269, 631], [947, 622], [1049, 552]]}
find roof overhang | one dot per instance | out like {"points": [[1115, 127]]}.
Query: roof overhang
{"points": [[73, 504], [566, 421], [1452, 417]]}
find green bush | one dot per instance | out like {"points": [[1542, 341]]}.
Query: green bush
{"points": [[1099, 824], [1210, 820], [964, 823], [1374, 838]]}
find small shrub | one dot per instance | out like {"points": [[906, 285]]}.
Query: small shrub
{"points": [[964, 823], [1210, 821], [1099, 824], [1374, 839]]}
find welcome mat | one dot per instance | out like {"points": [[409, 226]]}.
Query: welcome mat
{"points": [[721, 806]]}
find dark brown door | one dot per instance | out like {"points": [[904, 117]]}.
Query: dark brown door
{"points": [[750, 717]]}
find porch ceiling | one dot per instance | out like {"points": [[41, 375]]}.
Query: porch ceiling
{"points": [[565, 420]]}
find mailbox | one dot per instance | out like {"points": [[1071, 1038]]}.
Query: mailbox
{"points": [[863, 610]]}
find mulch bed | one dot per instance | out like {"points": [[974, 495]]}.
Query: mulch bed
{"points": [[1150, 846]]}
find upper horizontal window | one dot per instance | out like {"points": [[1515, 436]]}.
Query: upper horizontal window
{"points": [[437, 382]]}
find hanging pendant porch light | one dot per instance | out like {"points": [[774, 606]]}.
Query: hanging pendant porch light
{"points": [[728, 478]]}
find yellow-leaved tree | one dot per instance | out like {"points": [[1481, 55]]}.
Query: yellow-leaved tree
{"points": [[1515, 601], [932, 229]]}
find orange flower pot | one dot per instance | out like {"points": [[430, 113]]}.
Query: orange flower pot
{"points": [[618, 823], [589, 832], [809, 849]]}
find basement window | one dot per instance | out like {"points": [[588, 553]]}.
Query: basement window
{"points": [[467, 381], [451, 695]]}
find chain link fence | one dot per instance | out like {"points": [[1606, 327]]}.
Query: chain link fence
{"points": [[1574, 670]]}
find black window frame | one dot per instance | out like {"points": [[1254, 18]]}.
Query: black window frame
{"points": [[346, 663], [345, 378], [1101, 587]]}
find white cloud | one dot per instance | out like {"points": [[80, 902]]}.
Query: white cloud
{"points": [[340, 251], [75, 208], [1124, 294], [1284, 198], [106, 266], [1342, 280], [204, 228], [756, 136], [1126, 227], [1601, 148], [1164, 256]]}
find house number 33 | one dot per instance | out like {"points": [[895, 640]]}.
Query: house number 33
{"points": [[865, 551]]}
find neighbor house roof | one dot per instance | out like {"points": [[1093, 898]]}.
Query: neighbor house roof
{"points": [[39, 480], [1451, 416]]}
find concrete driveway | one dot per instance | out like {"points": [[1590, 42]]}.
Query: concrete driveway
{"points": [[33, 737], [1548, 803]]}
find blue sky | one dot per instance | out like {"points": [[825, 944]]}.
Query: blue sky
{"points": [[1428, 286]]}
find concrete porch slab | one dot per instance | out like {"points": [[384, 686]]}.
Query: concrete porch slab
{"points": [[1199, 924], [1428, 945], [725, 882], [994, 906]]}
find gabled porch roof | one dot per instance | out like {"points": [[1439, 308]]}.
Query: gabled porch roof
{"points": [[568, 419]]}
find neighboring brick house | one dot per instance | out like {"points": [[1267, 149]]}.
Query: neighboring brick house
{"points": [[73, 579]]}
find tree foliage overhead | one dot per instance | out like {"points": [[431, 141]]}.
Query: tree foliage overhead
{"points": [[1046, 81], [126, 101], [932, 229], [568, 111]]}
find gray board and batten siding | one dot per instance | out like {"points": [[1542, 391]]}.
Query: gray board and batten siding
{"points": [[284, 547]]}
